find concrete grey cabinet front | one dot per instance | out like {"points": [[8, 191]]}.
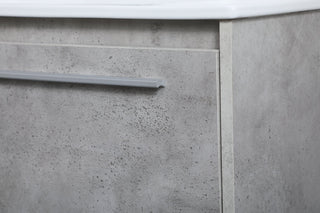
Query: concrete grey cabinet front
{"points": [[81, 148]]}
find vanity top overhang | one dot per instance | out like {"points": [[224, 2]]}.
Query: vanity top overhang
{"points": [[153, 9]]}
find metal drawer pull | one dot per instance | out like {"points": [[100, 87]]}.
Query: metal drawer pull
{"points": [[84, 79]]}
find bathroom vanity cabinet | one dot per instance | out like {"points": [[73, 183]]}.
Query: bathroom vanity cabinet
{"points": [[235, 129]]}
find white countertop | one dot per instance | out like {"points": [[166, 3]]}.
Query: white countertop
{"points": [[153, 9]]}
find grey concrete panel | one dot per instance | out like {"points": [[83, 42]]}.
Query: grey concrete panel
{"points": [[141, 33], [276, 78], [81, 148], [226, 118]]}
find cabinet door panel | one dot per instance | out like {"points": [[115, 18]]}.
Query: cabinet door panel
{"points": [[84, 148]]}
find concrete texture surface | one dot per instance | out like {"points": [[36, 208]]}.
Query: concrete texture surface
{"points": [[80, 148], [138, 33], [276, 80], [226, 117]]}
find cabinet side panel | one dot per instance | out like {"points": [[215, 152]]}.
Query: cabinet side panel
{"points": [[276, 78], [226, 118]]}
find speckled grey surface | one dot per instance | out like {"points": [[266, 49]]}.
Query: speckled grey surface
{"points": [[139, 33], [80, 148], [276, 78]]}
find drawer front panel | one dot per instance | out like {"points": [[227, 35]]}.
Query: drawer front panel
{"points": [[84, 148], [112, 32]]}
